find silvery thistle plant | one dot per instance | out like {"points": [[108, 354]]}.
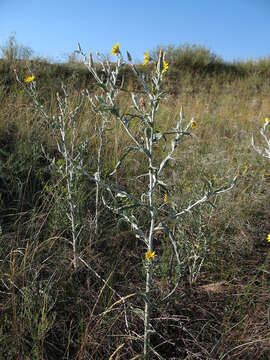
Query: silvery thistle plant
{"points": [[144, 140], [263, 132], [103, 105], [266, 151], [65, 132]]}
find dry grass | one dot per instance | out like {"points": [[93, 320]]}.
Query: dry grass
{"points": [[54, 312]]}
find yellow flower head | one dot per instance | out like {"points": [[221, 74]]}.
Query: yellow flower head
{"points": [[268, 238], [146, 58], [193, 124], [165, 198], [149, 255], [115, 50], [165, 66], [267, 120], [29, 79]]}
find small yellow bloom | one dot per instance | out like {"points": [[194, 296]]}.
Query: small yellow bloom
{"points": [[57, 93], [193, 124], [149, 254], [29, 79], [165, 198], [188, 189], [268, 238], [115, 50], [146, 58], [267, 120], [165, 66]]}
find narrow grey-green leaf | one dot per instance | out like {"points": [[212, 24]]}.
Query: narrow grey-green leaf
{"points": [[147, 152], [129, 56], [148, 132]]}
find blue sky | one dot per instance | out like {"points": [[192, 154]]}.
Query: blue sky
{"points": [[233, 29]]}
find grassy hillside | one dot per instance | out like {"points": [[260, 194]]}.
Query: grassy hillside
{"points": [[51, 310]]}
